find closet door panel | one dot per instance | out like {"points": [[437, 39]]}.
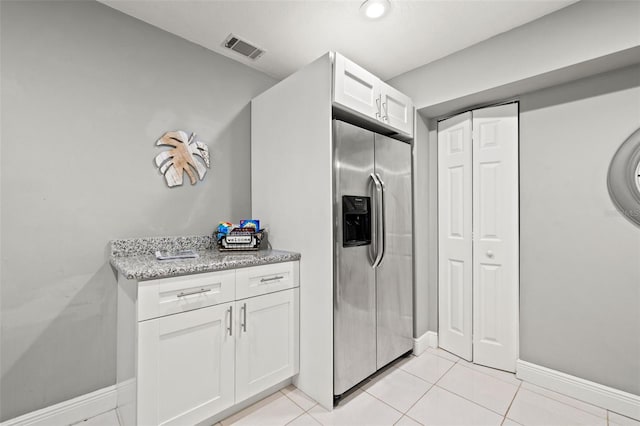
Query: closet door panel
{"points": [[495, 245], [455, 235]]}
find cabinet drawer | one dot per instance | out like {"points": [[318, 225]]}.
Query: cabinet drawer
{"points": [[265, 279], [167, 296]]}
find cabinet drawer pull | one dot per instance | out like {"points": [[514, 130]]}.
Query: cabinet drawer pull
{"points": [[230, 328], [277, 277], [202, 290]]}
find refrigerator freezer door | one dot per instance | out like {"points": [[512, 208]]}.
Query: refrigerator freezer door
{"points": [[354, 314], [394, 275]]}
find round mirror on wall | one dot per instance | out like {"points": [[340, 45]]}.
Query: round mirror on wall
{"points": [[624, 178]]}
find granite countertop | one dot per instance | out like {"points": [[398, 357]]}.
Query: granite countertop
{"points": [[135, 257]]}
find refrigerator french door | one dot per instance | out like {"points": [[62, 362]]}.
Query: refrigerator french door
{"points": [[373, 277]]}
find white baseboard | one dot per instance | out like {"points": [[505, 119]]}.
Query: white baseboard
{"points": [[432, 339], [427, 340], [612, 399], [71, 411]]}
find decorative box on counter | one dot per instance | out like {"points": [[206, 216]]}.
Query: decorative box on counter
{"points": [[231, 237]]}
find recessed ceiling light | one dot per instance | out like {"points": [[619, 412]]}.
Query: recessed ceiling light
{"points": [[375, 9]]}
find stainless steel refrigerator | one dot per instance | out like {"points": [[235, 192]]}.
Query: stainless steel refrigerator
{"points": [[373, 277]]}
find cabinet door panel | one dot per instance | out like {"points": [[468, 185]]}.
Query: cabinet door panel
{"points": [[266, 341], [185, 367], [397, 109], [356, 88]]}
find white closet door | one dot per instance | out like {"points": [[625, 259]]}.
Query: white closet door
{"points": [[495, 245], [455, 235]]}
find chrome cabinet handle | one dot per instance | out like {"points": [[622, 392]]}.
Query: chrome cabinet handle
{"points": [[489, 253], [230, 328], [379, 112], [386, 112], [277, 277], [243, 324], [202, 290]]}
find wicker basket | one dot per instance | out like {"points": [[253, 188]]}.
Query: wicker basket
{"points": [[222, 245]]}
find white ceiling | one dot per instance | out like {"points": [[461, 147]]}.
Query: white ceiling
{"points": [[295, 32]]}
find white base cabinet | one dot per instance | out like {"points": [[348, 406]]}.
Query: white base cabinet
{"points": [[198, 361]]}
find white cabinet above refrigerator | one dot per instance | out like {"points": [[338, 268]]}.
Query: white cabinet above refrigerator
{"points": [[357, 91]]}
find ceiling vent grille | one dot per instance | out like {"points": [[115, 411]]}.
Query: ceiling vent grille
{"points": [[242, 47]]}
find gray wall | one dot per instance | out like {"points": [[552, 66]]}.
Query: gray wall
{"points": [[571, 43], [86, 92], [580, 259], [579, 33]]}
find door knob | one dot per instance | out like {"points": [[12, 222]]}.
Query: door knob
{"points": [[489, 253]]}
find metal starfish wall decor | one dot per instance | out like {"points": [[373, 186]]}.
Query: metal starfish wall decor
{"points": [[187, 154]]}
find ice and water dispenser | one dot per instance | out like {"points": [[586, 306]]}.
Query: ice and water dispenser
{"points": [[356, 221]]}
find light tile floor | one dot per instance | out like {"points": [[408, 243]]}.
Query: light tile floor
{"points": [[435, 388]]}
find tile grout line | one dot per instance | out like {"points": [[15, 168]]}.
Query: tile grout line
{"points": [[298, 405], [314, 418], [518, 390], [385, 403], [414, 404], [409, 417], [303, 410], [300, 415], [445, 373], [418, 377], [404, 413], [441, 357], [511, 403], [606, 417], [432, 384], [473, 402], [463, 364], [460, 396], [414, 375], [487, 374]]}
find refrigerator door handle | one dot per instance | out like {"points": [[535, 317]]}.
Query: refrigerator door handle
{"points": [[383, 220], [373, 248], [377, 197]]}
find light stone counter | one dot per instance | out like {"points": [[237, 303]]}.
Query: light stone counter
{"points": [[135, 257]]}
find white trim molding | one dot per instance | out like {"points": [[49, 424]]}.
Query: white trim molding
{"points": [[603, 396], [427, 340], [70, 411]]}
